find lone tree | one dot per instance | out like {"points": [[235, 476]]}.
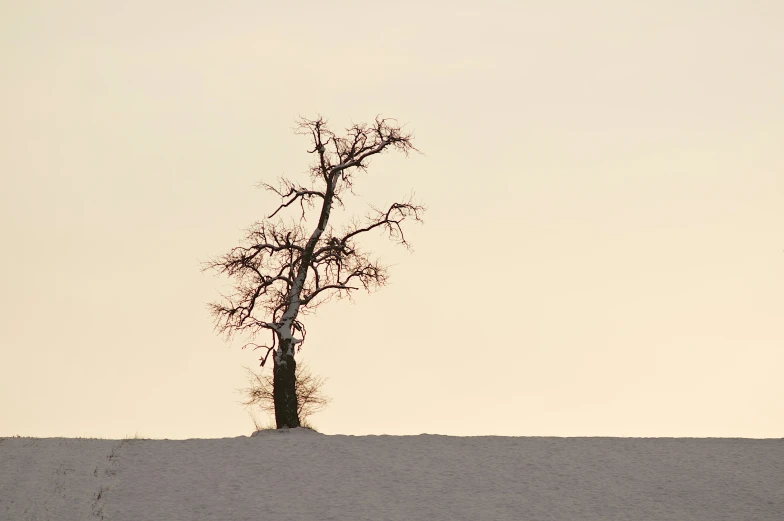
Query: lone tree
{"points": [[283, 269]]}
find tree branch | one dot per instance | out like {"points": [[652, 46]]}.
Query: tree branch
{"points": [[280, 270], [291, 193]]}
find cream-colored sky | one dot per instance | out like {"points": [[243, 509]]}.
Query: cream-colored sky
{"points": [[602, 255]]}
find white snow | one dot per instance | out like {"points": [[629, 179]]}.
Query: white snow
{"points": [[302, 475]]}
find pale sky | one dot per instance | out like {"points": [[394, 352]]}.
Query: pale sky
{"points": [[603, 252]]}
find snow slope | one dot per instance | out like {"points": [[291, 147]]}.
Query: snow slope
{"points": [[302, 475]]}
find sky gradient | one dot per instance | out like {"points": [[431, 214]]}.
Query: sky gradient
{"points": [[603, 252]]}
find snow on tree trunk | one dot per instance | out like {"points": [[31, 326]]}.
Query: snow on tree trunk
{"points": [[284, 380], [287, 341]]}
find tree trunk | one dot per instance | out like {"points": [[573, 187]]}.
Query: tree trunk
{"points": [[284, 389]]}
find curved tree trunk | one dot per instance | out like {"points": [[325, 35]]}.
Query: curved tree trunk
{"points": [[284, 388]]}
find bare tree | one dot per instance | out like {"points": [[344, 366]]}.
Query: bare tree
{"points": [[281, 270], [310, 396]]}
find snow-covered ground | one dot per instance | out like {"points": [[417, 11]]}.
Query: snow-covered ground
{"points": [[302, 475]]}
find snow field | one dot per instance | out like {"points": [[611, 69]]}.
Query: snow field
{"points": [[303, 475]]}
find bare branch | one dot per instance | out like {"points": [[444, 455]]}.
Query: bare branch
{"points": [[390, 220], [291, 193], [269, 349], [281, 270]]}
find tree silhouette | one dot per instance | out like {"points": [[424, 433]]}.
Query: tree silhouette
{"points": [[282, 270]]}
